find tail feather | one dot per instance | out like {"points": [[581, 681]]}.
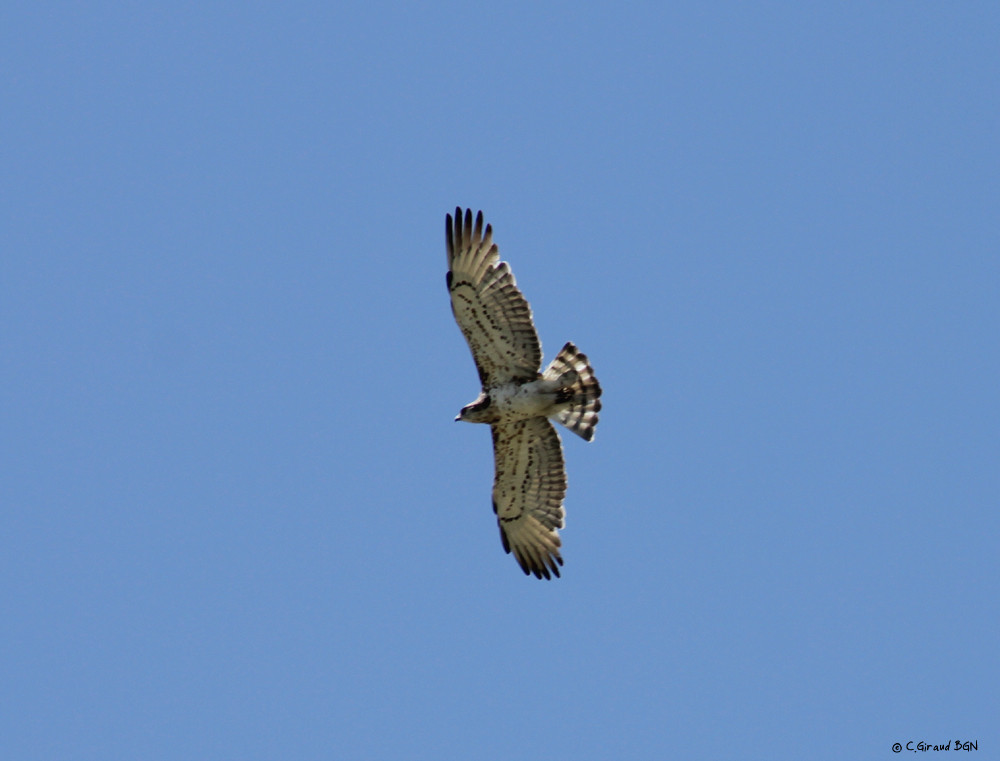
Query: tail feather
{"points": [[579, 393]]}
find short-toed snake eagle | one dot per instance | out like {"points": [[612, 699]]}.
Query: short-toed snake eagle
{"points": [[517, 399]]}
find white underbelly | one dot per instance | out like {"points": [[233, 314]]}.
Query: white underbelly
{"points": [[522, 400]]}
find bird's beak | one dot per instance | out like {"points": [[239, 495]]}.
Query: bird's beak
{"points": [[457, 418]]}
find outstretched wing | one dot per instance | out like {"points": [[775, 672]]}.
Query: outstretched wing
{"points": [[528, 493], [489, 308]]}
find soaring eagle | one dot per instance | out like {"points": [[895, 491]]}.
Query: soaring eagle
{"points": [[517, 399]]}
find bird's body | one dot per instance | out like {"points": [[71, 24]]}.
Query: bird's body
{"points": [[512, 401], [517, 399]]}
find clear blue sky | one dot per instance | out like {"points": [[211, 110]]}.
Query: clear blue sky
{"points": [[238, 519]]}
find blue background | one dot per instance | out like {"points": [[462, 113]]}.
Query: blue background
{"points": [[238, 520]]}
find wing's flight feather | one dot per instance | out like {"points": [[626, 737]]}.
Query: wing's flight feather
{"points": [[493, 314], [528, 493]]}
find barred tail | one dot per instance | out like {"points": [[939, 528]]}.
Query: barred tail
{"points": [[579, 392]]}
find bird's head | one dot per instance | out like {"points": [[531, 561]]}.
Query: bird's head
{"points": [[477, 412]]}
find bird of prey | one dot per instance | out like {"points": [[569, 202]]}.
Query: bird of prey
{"points": [[517, 399]]}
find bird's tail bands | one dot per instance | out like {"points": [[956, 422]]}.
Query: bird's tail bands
{"points": [[579, 391]]}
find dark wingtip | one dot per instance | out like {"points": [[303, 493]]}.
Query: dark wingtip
{"points": [[449, 237]]}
